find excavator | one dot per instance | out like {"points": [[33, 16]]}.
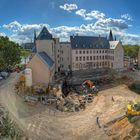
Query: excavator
{"points": [[133, 111], [89, 87]]}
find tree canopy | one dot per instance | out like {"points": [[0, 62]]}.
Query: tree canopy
{"points": [[9, 53], [131, 50]]}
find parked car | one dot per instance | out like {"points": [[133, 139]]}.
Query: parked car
{"points": [[1, 78], [4, 74]]}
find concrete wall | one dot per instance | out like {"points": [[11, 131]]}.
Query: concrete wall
{"points": [[40, 71]]}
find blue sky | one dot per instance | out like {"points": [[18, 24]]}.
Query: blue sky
{"points": [[19, 18]]}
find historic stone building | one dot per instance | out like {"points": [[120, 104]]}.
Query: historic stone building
{"points": [[96, 52], [82, 52]]}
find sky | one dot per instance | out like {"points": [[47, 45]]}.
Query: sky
{"points": [[19, 18]]}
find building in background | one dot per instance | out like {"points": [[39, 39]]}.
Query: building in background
{"points": [[128, 63], [82, 52], [96, 52]]}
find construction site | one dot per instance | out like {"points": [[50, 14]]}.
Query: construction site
{"points": [[77, 107]]}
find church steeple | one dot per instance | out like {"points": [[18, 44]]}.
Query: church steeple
{"points": [[34, 36], [110, 36]]}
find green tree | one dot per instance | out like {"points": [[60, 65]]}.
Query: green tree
{"points": [[131, 50], [9, 53]]}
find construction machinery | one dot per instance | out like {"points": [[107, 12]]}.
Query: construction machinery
{"points": [[133, 109], [89, 87]]}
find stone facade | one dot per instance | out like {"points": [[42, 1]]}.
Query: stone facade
{"points": [[82, 52]]}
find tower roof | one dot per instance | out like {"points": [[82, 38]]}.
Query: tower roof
{"points": [[110, 36], [44, 34], [89, 42]]}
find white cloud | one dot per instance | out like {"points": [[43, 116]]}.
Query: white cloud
{"points": [[24, 32], [127, 17], [81, 12], [2, 34], [111, 22], [94, 14], [69, 7]]}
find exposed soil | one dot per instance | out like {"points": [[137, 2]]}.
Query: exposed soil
{"points": [[40, 122]]}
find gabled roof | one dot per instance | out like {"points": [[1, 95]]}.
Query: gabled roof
{"points": [[89, 42], [113, 44], [44, 34], [46, 58]]}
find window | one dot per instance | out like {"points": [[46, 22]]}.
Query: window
{"points": [[100, 51], [100, 57], [97, 51], [76, 52], [80, 58], [103, 51], [76, 58], [58, 50], [87, 52], [103, 57], [113, 57], [80, 52], [90, 57], [62, 52], [94, 58], [83, 58], [83, 52], [97, 57], [87, 57], [112, 65], [58, 56], [90, 51]]}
